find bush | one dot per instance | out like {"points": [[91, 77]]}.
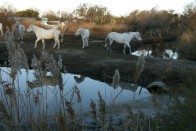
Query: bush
{"points": [[187, 46]]}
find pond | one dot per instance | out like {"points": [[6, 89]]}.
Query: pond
{"points": [[43, 102], [162, 50]]}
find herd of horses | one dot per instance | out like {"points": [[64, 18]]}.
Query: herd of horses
{"points": [[56, 34]]}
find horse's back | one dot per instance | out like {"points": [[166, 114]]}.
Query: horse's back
{"points": [[118, 37], [113, 35], [86, 33], [48, 34]]}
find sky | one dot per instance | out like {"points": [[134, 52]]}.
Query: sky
{"points": [[116, 7]]}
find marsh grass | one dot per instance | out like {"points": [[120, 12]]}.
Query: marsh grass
{"points": [[34, 101], [71, 27]]}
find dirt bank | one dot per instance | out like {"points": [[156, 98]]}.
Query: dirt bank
{"points": [[99, 64]]}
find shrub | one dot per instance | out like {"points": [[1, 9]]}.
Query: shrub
{"points": [[187, 46]]}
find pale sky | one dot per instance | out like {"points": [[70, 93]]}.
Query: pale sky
{"points": [[116, 7]]}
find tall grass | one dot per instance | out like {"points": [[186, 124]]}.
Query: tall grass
{"points": [[187, 45], [72, 27], [65, 116]]}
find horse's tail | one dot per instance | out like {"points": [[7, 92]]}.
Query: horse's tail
{"points": [[106, 42]]}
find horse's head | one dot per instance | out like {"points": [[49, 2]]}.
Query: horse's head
{"points": [[106, 42], [78, 32], [138, 36], [30, 28]]}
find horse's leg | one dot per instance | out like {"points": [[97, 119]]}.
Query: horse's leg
{"points": [[124, 49], [36, 42], [110, 45], [58, 42], [43, 44], [22, 35], [87, 42], [83, 42], [1, 32], [127, 44]]}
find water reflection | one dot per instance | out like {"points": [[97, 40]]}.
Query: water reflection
{"points": [[46, 95], [163, 50], [167, 54]]}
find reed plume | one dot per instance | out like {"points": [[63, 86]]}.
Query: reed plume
{"points": [[48, 63], [10, 91], [93, 110], [116, 79], [5, 117], [62, 120], [77, 91], [139, 68], [70, 111], [17, 58], [102, 112]]}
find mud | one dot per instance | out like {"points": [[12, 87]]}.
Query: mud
{"points": [[97, 63]]}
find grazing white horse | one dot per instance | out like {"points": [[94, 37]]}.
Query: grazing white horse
{"points": [[124, 38], [85, 33], [1, 29], [42, 34], [21, 30], [15, 29]]}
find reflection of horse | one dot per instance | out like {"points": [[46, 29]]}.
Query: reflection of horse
{"points": [[1, 29], [43, 34], [46, 80], [124, 38], [85, 33], [79, 79]]}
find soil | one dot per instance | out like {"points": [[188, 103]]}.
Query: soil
{"points": [[95, 62]]}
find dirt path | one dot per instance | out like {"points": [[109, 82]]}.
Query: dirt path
{"points": [[97, 63]]}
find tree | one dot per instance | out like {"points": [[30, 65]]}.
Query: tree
{"points": [[93, 13], [66, 16], [28, 13], [81, 10], [51, 15], [7, 9]]}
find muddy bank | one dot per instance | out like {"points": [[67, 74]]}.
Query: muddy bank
{"points": [[96, 63]]}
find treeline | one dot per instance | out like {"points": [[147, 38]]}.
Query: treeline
{"points": [[150, 22]]}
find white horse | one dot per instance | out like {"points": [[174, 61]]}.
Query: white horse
{"points": [[42, 34], [15, 29], [21, 30], [85, 33], [124, 38], [1, 29]]}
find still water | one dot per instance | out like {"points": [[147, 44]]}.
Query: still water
{"points": [[50, 96]]}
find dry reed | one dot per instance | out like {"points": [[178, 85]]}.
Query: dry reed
{"points": [[139, 68], [93, 110], [116, 79]]}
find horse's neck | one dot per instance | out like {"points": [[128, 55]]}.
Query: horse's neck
{"points": [[131, 35], [35, 28], [82, 31]]}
